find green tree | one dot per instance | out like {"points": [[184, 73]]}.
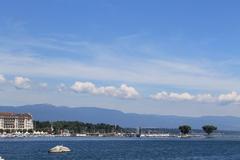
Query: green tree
{"points": [[209, 129], [184, 129], [76, 127], [7, 130], [30, 131]]}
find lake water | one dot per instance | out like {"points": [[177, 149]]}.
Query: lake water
{"points": [[121, 149]]}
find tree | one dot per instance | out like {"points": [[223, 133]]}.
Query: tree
{"points": [[7, 130], [76, 127], [209, 129], [184, 129], [30, 131]]}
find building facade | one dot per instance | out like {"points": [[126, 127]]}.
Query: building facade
{"points": [[16, 121]]}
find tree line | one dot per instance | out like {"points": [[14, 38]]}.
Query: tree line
{"points": [[74, 127]]}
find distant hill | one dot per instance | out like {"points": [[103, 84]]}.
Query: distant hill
{"points": [[44, 112]]}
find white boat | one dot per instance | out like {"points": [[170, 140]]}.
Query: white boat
{"points": [[184, 136], [81, 135], [1, 158], [59, 149]]}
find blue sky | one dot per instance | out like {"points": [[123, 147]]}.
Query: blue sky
{"points": [[154, 57]]}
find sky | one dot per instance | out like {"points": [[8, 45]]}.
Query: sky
{"points": [[140, 56]]}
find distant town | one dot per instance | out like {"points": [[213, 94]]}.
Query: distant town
{"points": [[23, 125]]}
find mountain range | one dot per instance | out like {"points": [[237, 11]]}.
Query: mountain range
{"points": [[44, 112]]}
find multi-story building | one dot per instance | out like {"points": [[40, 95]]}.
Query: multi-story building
{"points": [[15, 121]]}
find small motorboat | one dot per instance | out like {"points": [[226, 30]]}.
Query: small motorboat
{"points": [[59, 149], [1, 158]]}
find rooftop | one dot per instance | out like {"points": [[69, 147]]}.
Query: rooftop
{"points": [[17, 115]]}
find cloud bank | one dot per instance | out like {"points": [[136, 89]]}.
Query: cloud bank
{"points": [[232, 97], [124, 91]]}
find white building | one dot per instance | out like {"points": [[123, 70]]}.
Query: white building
{"points": [[15, 121]]}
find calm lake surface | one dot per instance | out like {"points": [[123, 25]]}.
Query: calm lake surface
{"points": [[121, 149]]}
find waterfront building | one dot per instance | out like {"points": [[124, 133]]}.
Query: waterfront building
{"points": [[15, 121]]}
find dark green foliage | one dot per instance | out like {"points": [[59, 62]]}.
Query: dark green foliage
{"points": [[184, 129], [7, 130], [42, 126], [30, 131], [24, 130], [209, 129], [76, 127]]}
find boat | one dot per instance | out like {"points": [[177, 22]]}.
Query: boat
{"points": [[184, 136], [59, 149], [1, 158]]}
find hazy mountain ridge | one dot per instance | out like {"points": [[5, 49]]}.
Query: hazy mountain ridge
{"points": [[98, 115]]}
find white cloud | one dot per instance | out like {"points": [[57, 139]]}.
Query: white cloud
{"points": [[172, 96], [205, 98], [2, 78], [124, 91], [85, 87], [232, 97], [127, 91], [22, 82], [228, 98]]}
